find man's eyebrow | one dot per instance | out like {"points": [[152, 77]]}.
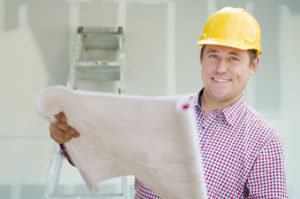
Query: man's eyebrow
{"points": [[216, 51], [234, 53], [212, 51]]}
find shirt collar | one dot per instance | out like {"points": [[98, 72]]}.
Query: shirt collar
{"points": [[199, 97], [231, 112]]}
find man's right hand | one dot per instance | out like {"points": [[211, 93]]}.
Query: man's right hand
{"points": [[60, 131]]}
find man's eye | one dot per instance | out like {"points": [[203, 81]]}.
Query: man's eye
{"points": [[233, 59], [212, 56]]}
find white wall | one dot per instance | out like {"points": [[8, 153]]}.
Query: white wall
{"points": [[2, 15], [288, 125], [272, 91]]}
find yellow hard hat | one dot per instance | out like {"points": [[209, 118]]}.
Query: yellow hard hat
{"points": [[232, 27]]}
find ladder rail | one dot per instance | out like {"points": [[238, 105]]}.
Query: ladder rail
{"points": [[72, 74], [54, 173]]}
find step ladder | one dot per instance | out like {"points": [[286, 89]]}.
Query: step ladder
{"points": [[98, 59]]}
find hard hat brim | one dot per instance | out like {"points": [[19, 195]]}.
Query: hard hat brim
{"points": [[228, 44]]}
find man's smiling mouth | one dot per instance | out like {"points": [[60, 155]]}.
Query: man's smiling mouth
{"points": [[220, 80]]}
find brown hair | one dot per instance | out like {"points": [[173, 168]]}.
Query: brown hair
{"points": [[253, 55]]}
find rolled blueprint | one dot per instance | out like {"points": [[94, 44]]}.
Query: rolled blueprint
{"points": [[152, 138]]}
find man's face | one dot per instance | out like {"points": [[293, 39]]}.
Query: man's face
{"points": [[225, 73]]}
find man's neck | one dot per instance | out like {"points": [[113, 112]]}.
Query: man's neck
{"points": [[208, 104]]}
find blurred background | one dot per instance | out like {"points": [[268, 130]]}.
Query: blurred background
{"points": [[37, 38]]}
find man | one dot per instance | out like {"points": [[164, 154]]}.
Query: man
{"points": [[241, 153]]}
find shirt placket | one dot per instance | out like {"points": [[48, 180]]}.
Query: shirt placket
{"points": [[205, 130]]}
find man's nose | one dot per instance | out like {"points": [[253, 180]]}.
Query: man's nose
{"points": [[222, 66]]}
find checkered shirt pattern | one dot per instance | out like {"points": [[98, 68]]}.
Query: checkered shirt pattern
{"points": [[241, 154]]}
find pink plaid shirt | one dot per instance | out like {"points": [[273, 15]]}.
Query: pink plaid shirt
{"points": [[241, 153]]}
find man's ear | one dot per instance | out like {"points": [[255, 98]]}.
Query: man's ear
{"points": [[254, 66]]}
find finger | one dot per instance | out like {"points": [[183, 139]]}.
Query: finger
{"points": [[61, 117], [76, 135], [64, 127], [59, 136]]}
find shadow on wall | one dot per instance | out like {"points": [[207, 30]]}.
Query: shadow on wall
{"points": [[21, 79]]}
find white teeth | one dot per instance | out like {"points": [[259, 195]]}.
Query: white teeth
{"points": [[221, 80]]}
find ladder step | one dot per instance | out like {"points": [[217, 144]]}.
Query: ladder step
{"points": [[96, 64], [100, 30], [101, 42], [106, 38], [98, 70]]}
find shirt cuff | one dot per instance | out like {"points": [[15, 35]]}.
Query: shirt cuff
{"points": [[63, 151]]}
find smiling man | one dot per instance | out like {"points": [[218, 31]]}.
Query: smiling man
{"points": [[242, 155]]}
